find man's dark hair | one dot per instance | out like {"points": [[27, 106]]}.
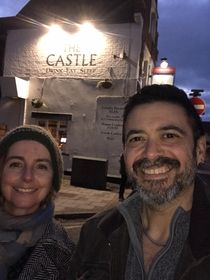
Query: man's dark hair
{"points": [[165, 93]]}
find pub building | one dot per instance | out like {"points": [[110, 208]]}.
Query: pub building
{"points": [[70, 66]]}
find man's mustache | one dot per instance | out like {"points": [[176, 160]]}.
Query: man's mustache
{"points": [[158, 162]]}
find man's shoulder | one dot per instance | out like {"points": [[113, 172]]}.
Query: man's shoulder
{"points": [[204, 168], [103, 216], [203, 184], [106, 221]]}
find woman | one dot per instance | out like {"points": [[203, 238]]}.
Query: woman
{"points": [[32, 244]]}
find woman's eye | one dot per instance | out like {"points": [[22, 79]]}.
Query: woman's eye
{"points": [[42, 166], [15, 164]]}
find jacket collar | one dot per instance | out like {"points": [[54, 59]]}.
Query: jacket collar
{"points": [[199, 235]]}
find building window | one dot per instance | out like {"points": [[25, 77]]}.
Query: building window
{"points": [[57, 124]]}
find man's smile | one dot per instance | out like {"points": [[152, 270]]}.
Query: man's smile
{"points": [[156, 170]]}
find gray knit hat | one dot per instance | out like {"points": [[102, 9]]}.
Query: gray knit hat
{"points": [[41, 135]]}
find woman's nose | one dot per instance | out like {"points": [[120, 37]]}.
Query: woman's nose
{"points": [[27, 174]]}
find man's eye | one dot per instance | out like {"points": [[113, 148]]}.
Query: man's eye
{"points": [[170, 136], [135, 139]]}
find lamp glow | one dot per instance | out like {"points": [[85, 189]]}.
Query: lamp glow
{"points": [[164, 62], [90, 39], [53, 40]]}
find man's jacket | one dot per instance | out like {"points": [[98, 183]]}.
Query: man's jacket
{"points": [[104, 242]]}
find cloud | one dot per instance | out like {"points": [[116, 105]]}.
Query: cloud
{"points": [[184, 39]]}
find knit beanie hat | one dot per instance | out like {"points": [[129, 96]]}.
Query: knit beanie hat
{"points": [[41, 135]]}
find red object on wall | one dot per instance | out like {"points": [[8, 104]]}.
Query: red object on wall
{"points": [[199, 105], [160, 70]]}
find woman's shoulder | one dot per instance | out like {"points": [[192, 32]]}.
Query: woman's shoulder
{"points": [[56, 235], [50, 257]]}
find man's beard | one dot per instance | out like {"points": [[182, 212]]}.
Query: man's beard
{"points": [[158, 193]]}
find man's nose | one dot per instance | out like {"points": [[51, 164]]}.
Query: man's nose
{"points": [[152, 149]]}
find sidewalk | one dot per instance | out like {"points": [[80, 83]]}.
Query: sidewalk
{"points": [[73, 205], [76, 201]]}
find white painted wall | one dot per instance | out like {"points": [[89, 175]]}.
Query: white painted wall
{"points": [[89, 131], [75, 91]]}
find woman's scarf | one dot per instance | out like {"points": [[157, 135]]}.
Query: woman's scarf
{"points": [[19, 233]]}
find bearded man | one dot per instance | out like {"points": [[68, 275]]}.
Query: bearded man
{"points": [[163, 227]]}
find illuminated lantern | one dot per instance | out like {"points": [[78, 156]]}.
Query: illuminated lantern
{"points": [[163, 74], [199, 105]]}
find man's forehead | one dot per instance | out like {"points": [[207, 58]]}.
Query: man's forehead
{"points": [[157, 114], [158, 106], [159, 102]]}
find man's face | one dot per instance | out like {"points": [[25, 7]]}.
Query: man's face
{"points": [[159, 151]]}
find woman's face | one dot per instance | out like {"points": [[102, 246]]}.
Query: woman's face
{"points": [[26, 177]]}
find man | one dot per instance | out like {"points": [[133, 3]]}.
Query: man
{"points": [[203, 171], [123, 178], [163, 228], [207, 158]]}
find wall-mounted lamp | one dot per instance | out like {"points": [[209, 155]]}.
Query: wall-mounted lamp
{"points": [[163, 74], [107, 83], [37, 102], [122, 55], [164, 62]]}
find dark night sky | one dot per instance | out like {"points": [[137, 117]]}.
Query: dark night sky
{"points": [[184, 39], [11, 8]]}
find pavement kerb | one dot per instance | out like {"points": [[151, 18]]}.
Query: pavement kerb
{"points": [[74, 216]]}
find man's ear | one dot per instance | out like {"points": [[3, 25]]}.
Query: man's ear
{"points": [[201, 149]]}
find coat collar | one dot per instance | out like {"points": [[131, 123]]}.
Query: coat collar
{"points": [[199, 235]]}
